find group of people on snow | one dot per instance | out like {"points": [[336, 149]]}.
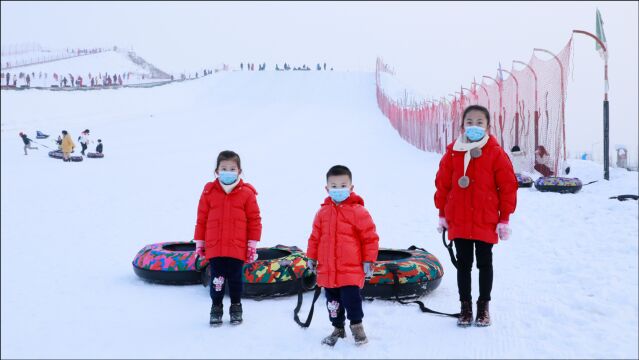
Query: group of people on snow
{"points": [[476, 192], [65, 143]]}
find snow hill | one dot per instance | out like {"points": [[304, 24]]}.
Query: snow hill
{"points": [[565, 283], [111, 62]]}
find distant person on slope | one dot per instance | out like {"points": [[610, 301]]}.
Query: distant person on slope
{"points": [[84, 140], [27, 143], [67, 146], [98, 148], [476, 193], [227, 230]]}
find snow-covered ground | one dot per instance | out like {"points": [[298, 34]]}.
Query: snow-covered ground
{"points": [[565, 283]]}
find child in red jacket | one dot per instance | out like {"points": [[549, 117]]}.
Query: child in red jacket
{"points": [[227, 231], [342, 249], [476, 193]]}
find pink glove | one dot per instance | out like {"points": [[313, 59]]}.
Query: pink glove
{"points": [[442, 225], [503, 230], [199, 247], [251, 251]]}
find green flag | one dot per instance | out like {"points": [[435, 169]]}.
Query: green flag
{"points": [[601, 35]]}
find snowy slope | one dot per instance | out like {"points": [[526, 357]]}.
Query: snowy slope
{"points": [[110, 62], [565, 284]]}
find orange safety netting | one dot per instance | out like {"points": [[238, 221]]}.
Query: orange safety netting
{"points": [[527, 109]]}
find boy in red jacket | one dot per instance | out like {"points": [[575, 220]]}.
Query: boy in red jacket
{"points": [[342, 249], [227, 231]]}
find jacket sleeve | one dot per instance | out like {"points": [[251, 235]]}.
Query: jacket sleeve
{"points": [[202, 215], [506, 186], [313, 240], [254, 228], [368, 236], [443, 182]]}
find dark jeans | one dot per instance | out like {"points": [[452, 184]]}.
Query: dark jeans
{"points": [[484, 254], [345, 299], [84, 147], [225, 271]]}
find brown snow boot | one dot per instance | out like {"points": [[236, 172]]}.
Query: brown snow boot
{"points": [[465, 318], [359, 334], [483, 316], [338, 333]]}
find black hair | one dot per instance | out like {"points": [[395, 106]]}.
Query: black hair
{"points": [[339, 170], [515, 148], [99, 140], [64, 132], [228, 155], [476, 108]]}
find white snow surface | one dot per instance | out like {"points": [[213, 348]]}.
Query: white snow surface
{"points": [[565, 284]]}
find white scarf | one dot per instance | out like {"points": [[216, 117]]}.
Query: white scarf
{"points": [[462, 145]]}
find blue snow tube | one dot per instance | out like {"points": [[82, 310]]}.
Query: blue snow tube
{"points": [[524, 181]]}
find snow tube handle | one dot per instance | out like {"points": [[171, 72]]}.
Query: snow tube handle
{"points": [[449, 247]]}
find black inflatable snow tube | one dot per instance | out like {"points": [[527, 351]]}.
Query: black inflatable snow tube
{"points": [[95, 155], [560, 185], [57, 154], [524, 181]]}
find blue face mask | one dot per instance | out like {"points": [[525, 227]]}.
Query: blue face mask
{"points": [[227, 177], [475, 133], [339, 195]]}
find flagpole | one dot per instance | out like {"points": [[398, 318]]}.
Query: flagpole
{"points": [[606, 105]]}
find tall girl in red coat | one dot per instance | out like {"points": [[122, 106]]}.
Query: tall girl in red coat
{"points": [[227, 231], [476, 193]]}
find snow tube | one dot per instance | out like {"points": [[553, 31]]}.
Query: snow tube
{"points": [[560, 185], [419, 273], [169, 263], [177, 263], [524, 181], [95, 155], [271, 274], [57, 154]]}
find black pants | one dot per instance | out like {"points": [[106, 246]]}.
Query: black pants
{"points": [[225, 271], [84, 147], [484, 254], [345, 299]]}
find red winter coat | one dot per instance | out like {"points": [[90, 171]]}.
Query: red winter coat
{"points": [[226, 222], [343, 238], [473, 212]]}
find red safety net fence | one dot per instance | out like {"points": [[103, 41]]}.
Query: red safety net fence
{"points": [[527, 109]]}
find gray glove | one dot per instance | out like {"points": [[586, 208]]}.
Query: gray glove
{"points": [[368, 270], [312, 265]]}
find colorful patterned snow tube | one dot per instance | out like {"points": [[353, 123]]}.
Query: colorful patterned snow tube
{"points": [[558, 184], [57, 154], [272, 274], [95, 155], [524, 181], [419, 273], [169, 263]]}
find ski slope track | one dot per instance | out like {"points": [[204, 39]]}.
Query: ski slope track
{"points": [[565, 283]]}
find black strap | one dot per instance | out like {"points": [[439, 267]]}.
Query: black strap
{"points": [[393, 269], [449, 246], [300, 299]]}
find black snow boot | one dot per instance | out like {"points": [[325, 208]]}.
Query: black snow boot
{"points": [[338, 333], [483, 316], [236, 313], [359, 334], [466, 315], [216, 315]]}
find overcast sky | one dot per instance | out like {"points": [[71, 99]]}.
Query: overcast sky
{"points": [[434, 46]]}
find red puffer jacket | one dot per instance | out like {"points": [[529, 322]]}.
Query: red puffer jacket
{"points": [[343, 238], [473, 212], [226, 222]]}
